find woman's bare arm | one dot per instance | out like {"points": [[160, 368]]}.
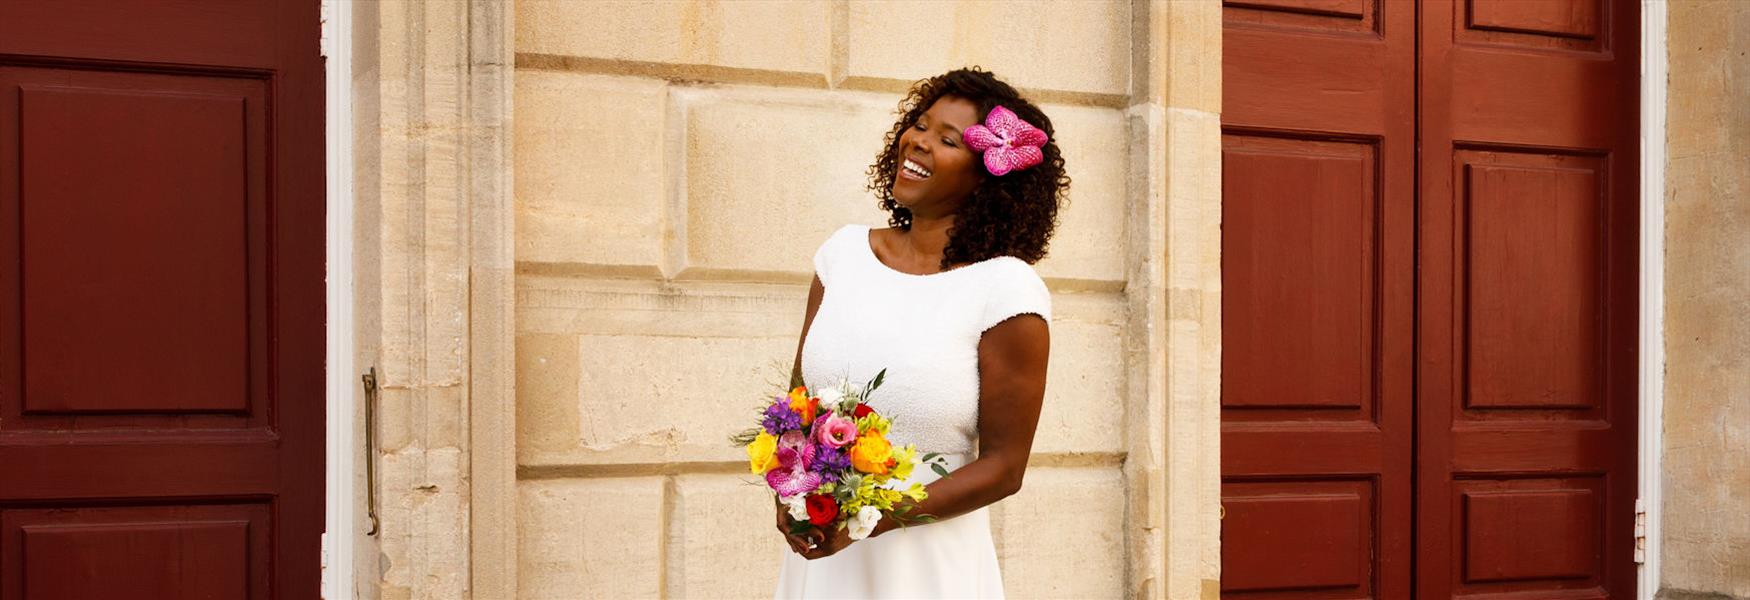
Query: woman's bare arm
{"points": [[1012, 358], [815, 291], [799, 544]]}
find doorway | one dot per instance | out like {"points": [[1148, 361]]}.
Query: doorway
{"points": [[1429, 271]]}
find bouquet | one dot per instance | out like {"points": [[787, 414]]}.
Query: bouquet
{"points": [[828, 460]]}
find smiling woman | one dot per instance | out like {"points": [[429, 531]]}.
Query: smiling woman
{"points": [[972, 183], [926, 165]]}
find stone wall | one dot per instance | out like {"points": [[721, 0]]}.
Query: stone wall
{"points": [[1706, 543], [676, 166], [656, 142]]}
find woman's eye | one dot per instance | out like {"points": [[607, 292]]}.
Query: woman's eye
{"points": [[918, 126], [949, 142]]}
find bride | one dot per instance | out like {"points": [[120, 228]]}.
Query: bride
{"points": [[947, 301]]}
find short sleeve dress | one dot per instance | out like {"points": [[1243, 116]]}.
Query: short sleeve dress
{"points": [[924, 330]]}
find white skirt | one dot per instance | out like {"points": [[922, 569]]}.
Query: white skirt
{"points": [[952, 558]]}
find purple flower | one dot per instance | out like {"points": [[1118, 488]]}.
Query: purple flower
{"points": [[779, 419], [829, 462]]}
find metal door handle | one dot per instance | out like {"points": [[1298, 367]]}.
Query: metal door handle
{"points": [[370, 381]]}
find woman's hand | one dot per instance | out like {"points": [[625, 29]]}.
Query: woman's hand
{"points": [[835, 539], [798, 544]]}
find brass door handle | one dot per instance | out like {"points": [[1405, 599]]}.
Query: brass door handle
{"points": [[370, 382]]}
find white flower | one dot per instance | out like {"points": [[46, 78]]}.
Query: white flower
{"points": [[798, 506], [864, 523], [830, 397]]}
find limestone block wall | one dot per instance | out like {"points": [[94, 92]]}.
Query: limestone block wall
{"points": [[1707, 293], [676, 166]]}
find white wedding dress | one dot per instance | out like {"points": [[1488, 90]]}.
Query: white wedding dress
{"points": [[924, 330]]}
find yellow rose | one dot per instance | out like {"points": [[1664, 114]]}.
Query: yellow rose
{"points": [[871, 453], [762, 454]]}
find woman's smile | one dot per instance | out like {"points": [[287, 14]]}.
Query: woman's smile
{"points": [[909, 169]]}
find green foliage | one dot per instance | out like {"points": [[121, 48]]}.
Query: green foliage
{"points": [[939, 470], [746, 436]]}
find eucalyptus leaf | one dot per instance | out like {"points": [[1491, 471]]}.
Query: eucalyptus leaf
{"points": [[939, 470]]}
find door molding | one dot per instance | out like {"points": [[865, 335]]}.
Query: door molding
{"points": [[1652, 294], [342, 427]]}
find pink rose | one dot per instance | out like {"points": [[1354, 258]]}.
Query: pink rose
{"points": [[834, 431]]}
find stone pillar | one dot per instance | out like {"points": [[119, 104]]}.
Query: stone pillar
{"points": [[1173, 342], [1706, 525], [434, 283]]}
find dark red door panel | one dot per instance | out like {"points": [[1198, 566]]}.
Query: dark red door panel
{"points": [[1527, 377], [1318, 177], [161, 290]]}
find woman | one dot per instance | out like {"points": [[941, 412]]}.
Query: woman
{"points": [[947, 301]]}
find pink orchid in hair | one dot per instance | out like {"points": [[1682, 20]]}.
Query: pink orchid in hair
{"points": [[1008, 143]]}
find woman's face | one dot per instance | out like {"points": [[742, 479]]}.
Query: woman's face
{"points": [[935, 167]]}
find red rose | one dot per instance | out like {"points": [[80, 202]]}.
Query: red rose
{"points": [[822, 509], [863, 410]]}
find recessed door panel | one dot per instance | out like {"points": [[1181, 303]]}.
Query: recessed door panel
{"points": [[161, 300]]}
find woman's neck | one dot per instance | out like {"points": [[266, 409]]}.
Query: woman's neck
{"points": [[925, 241]]}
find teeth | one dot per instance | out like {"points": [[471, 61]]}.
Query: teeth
{"points": [[915, 168]]}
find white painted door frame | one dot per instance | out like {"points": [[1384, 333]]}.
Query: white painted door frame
{"points": [[1652, 295], [343, 382]]}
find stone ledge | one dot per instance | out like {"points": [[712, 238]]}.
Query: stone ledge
{"points": [[675, 72], [1676, 594]]}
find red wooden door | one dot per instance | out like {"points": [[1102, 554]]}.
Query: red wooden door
{"points": [[1439, 279], [1526, 392], [1318, 189], [161, 299]]}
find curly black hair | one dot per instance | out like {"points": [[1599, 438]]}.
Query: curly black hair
{"points": [[1012, 215]]}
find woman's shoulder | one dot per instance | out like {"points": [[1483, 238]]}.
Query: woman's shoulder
{"points": [[1015, 269], [839, 236], [833, 252], [1012, 287], [846, 232]]}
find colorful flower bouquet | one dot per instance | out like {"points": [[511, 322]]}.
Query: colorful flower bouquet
{"points": [[828, 459]]}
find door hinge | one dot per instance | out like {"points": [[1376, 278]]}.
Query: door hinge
{"points": [[327, 12], [1640, 532], [324, 578]]}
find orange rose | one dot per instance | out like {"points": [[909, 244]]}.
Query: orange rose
{"points": [[804, 405], [872, 453]]}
